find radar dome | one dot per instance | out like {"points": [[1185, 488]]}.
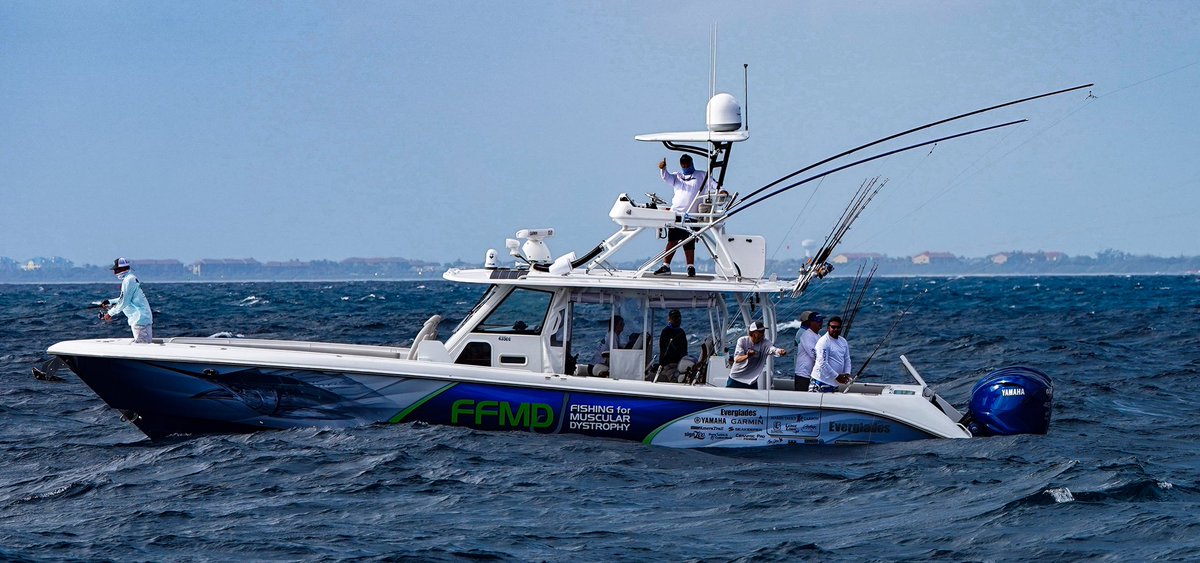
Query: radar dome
{"points": [[724, 113]]}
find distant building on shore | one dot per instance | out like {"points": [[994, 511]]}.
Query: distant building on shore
{"points": [[847, 257], [235, 268], [928, 257]]}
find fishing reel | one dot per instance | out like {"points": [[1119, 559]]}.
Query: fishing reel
{"points": [[820, 271]]}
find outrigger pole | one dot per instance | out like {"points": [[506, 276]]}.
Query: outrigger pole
{"points": [[913, 130], [739, 208], [722, 219]]}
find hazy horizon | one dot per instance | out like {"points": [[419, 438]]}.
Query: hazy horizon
{"points": [[434, 131]]}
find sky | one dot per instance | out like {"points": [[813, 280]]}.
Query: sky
{"points": [[436, 130]]}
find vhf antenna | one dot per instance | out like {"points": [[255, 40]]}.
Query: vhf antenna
{"points": [[746, 95], [712, 73]]}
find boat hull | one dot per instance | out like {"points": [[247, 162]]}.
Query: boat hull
{"points": [[163, 398]]}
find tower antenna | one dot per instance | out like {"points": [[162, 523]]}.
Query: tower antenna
{"points": [[712, 72], [746, 95]]}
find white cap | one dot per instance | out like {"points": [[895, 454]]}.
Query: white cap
{"points": [[120, 263], [756, 325]]}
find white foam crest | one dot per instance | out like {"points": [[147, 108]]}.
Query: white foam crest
{"points": [[788, 326], [1165, 485], [345, 298], [226, 334], [1061, 495]]}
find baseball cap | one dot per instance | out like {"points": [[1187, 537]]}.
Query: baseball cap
{"points": [[810, 316], [757, 326], [120, 263]]}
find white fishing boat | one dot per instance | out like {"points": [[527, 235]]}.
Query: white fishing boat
{"points": [[563, 345]]}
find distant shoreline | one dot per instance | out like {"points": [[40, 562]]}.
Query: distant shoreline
{"points": [[439, 279]]}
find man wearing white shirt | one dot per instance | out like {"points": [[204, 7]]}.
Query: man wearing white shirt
{"points": [[806, 347], [132, 303], [832, 365], [688, 184]]}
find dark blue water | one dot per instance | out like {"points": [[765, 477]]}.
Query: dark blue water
{"points": [[1117, 478]]}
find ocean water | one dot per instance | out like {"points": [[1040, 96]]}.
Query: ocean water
{"points": [[1117, 478]]}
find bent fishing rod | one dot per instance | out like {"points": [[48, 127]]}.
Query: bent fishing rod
{"points": [[730, 214], [903, 133]]}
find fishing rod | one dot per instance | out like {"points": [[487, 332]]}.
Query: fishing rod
{"points": [[730, 214], [847, 212], [38, 315], [903, 133], [851, 311], [819, 265], [886, 336]]}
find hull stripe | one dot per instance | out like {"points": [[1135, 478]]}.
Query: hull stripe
{"points": [[400, 417]]}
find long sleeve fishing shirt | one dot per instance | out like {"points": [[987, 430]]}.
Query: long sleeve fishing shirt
{"points": [[747, 371], [833, 359], [132, 302], [687, 189], [806, 352]]}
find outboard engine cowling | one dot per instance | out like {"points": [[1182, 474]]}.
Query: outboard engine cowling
{"points": [[1011, 400]]}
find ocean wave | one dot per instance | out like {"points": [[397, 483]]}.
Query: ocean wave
{"points": [[82, 482]]}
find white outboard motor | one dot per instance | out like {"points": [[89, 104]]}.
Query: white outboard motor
{"points": [[724, 113], [1011, 400]]}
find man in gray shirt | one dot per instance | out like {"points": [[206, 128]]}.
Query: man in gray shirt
{"points": [[750, 357]]}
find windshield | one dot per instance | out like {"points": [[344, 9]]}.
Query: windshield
{"points": [[522, 312]]}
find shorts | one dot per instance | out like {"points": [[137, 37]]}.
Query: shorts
{"points": [[739, 385], [675, 234], [819, 387]]}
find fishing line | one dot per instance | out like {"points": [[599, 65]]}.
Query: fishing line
{"points": [[975, 167], [1143, 81], [901, 134], [798, 216], [51, 313]]}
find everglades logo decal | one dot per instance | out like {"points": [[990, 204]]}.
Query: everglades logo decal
{"points": [[860, 427]]}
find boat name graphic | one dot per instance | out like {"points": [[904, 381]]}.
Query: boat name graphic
{"points": [[860, 427], [527, 415]]}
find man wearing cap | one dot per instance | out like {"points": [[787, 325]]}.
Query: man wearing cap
{"points": [[832, 365], [688, 185], [132, 303], [750, 357], [806, 347]]}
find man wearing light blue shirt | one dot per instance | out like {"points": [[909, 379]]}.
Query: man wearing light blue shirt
{"points": [[132, 303]]}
